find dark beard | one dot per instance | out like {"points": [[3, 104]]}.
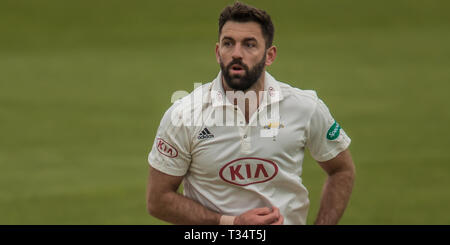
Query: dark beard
{"points": [[238, 82]]}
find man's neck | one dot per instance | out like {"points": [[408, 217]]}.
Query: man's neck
{"points": [[246, 108]]}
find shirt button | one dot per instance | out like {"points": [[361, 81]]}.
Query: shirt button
{"points": [[245, 136]]}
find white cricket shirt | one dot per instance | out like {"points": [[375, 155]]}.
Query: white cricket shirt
{"points": [[233, 167]]}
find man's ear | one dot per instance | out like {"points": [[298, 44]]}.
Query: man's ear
{"points": [[271, 55], [217, 53]]}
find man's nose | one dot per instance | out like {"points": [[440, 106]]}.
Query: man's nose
{"points": [[237, 52]]}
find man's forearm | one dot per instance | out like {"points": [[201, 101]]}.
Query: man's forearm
{"points": [[177, 209], [335, 196]]}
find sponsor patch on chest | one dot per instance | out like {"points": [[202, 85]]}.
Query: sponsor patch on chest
{"points": [[248, 171]]}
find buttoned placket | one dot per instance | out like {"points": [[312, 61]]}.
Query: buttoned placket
{"points": [[243, 127], [244, 131]]}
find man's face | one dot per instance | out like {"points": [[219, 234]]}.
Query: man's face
{"points": [[241, 53]]}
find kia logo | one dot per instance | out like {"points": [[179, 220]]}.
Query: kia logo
{"points": [[166, 149], [248, 171]]}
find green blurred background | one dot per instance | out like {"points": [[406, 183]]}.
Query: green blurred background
{"points": [[84, 84]]}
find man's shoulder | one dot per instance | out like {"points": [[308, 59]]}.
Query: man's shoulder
{"points": [[197, 97], [298, 95], [182, 110]]}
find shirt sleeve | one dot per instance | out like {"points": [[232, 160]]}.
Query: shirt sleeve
{"points": [[171, 153], [325, 137]]}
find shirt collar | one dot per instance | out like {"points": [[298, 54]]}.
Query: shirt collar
{"points": [[271, 87]]}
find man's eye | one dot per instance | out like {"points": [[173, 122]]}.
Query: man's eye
{"points": [[227, 44], [251, 45]]}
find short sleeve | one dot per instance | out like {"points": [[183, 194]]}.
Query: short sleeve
{"points": [[171, 153], [325, 137]]}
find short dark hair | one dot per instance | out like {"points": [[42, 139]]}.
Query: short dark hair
{"points": [[241, 12]]}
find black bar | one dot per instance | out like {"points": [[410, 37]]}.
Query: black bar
{"points": [[222, 234]]}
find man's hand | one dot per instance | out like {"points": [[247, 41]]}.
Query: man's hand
{"points": [[260, 216]]}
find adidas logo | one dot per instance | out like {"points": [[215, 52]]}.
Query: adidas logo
{"points": [[205, 134]]}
